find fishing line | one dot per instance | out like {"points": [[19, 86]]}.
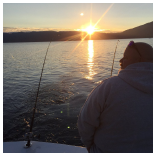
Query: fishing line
{"points": [[32, 121], [114, 57]]}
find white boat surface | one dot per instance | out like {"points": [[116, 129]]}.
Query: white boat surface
{"points": [[41, 147]]}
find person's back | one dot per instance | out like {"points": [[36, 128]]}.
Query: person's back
{"points": [[118, 115], [127, 120]]}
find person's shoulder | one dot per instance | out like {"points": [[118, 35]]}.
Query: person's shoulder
{"points": [[110, 80], [105, 86], [107, 83]]}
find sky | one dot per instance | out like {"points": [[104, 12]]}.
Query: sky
{"points": [[106, 17]]}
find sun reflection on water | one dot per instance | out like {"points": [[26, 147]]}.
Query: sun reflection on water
{"points": [[90, 63]]}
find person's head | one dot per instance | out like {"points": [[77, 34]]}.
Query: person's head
{"points": [[136, 52]]}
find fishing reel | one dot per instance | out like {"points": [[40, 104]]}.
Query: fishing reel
{"points": [[28, 136]]}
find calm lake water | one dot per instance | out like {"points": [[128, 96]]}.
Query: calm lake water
{"points": [[71, 71]]}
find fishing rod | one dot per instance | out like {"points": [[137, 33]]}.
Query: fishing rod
{"points": [[29, 135], [114, 57]]}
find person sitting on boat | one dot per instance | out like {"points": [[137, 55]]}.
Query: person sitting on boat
{"points": [[117, 117]]}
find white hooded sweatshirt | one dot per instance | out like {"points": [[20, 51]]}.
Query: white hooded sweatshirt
{"points": [[118, 114]]}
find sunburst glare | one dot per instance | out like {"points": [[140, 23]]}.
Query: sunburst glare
{"points": [[90, 29]]}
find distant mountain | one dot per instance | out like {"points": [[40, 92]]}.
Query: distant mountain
{"points": [[143, 31]]}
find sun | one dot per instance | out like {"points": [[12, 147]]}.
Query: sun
{"points": [[90, 29]]}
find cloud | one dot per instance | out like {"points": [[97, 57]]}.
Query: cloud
{"points": [[111, 31], [16, 29]]}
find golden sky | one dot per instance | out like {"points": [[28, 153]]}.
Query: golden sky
{"points": [[106, 17]]}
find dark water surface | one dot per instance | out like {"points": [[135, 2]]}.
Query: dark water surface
{"points": [[71, 71]]}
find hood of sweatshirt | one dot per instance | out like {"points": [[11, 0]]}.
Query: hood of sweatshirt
{"points": [[139, 75]]}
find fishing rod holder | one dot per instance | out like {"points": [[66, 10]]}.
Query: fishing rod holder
{"points": [[28, 136]]}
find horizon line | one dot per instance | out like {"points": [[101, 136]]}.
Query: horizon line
{"points": [[16, 29]]}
